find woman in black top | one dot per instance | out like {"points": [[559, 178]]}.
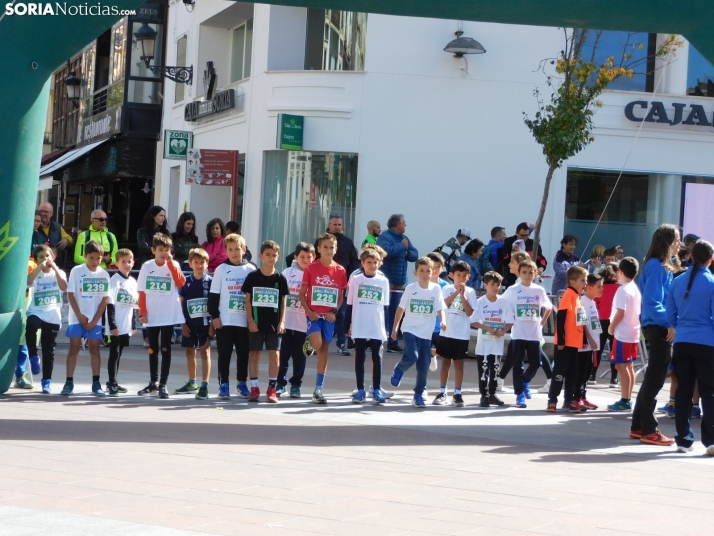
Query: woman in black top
{"points": [[184, 238], [154, 222]]}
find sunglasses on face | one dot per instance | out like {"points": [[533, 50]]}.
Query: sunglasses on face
{"points": [[100, 219]]}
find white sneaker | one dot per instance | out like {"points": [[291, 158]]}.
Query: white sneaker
{"points": [[710, 450], [685, 449], [385, 393], [545, 388], [592, 382], [499, 385]]}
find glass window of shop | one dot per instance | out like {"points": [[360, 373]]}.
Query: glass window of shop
{"points": [[301, 190], [602, 44], [335, 40], [700, 74]]}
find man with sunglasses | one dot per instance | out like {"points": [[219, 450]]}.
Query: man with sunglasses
{"points": [[97, 231], [523, 232]]}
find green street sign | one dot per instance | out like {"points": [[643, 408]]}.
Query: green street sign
{"points": [[177, 143], [290, 129]]}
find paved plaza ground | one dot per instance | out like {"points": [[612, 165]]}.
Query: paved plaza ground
{"points": [[132, 465]]}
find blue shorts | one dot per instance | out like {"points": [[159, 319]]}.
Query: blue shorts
{"points": [[323, 326], [198, 338], [75, 331]]}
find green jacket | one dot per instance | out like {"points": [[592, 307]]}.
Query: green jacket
{"points": [[105, 238]]}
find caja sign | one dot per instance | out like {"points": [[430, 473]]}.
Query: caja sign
{"points": [[679, 112]]}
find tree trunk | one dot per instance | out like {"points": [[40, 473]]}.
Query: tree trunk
{"points": [[541, 213]]}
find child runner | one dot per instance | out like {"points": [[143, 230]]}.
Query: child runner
{"points": [[321, 296], [45, 310], [438, 261], [453, 343], [570, 336], [160, 310], [610, 284], [226, 305], [589, 354], [293, 343], [367, 295], [196, 330], [625, 328], [420, 304], [266, 291], [493, 317], [88, 294], [527, 299], [121, 320]]}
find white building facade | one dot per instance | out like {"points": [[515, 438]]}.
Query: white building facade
{"points": [[393, 124]]}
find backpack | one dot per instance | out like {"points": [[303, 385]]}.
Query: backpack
{"points": [[110, 239]]}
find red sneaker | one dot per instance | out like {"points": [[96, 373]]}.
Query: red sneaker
{"points": [[636, 434], [271, 395], [657, 438], [587, 404], [551, 407], [254, 394], [573, 407]]}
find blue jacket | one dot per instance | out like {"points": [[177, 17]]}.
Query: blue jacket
{"points": [[655, 281], [693, 318], [494, 252], [395, 265], [561, 264]]}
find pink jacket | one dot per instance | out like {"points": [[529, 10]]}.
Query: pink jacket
{"points": [[216, 253]]}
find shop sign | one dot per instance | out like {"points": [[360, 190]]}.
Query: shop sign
{"points": [[99, 126], [290, 130], [221, 101], [177, 143], [211, 167], [692, 114]]}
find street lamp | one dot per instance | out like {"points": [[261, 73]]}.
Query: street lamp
{"points": [[463, 45], [72, 83], [146, 39]]}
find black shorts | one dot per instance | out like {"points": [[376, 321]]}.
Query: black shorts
{"points": [[198, 338], [258, 339], [451, 348], [434, 338]]}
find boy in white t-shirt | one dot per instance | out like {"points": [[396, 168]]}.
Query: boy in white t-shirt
{"points": [[420, 304], [587, 354], [453, 343], [45, 310], [88, 294], [293, 343], [367, 296], [160, 310], [493, 317], [625, 327], [121, 317]]}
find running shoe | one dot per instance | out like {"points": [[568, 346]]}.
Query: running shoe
{"points": [[150, 389], [224, 391], [35, 364], [573, 407], [664, 408], [527, 390], [318, 398], [203, 393], [614, 384], [190, 387], [242, 390], [254, 394], [592, 381], [495, 401], [308, 350], [499, 385], [271, 395], [657, 438], [710, 450], [113, 389], [458, 401], [441, 400], [670, 413], [696, 412], [636, 434], [588, 404], [385, 393], [22, 383], [163, 393], [546, 388], [122, 390], [684, 449], [47, 387], [418, 401], [379, 398], [395, 349], [396, 378], [342, 350], [359, 397], [68, 388], [620, 405], [295, 391], [521, 401], [281, 390], [581, 405], [552, 407], [484, 402]]}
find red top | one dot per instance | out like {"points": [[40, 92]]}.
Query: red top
{"points": [[604, 302], [216, 253], [324, 285]]}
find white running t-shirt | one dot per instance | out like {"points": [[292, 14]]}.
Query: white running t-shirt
{"points": [[420, 307], [228, 281], [368, 297], [89, 289], [458, 325]]}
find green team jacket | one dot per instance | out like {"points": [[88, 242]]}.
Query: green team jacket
{"points": [[105, 238]]}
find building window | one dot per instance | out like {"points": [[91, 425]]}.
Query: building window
{"points": [[241, 50], [180, 89], [602, 44], [118, 50], [700, 74], [698, 195], [302, 189], [335, 40]]}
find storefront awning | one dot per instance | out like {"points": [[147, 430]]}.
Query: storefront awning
{"points": [[66, 159]]}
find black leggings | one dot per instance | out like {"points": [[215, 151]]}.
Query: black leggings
{"points": [[117, 343], [361, 346], [227, 338], [47, 342], [605, 336], [292, 345], [165, 333], [565, 372], [508, 363], [585, 368], [487, 371]]}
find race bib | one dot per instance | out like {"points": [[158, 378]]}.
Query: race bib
{"points": [[236, 303], [422, 308], [325, 296], [197, 308], [581, 317], [595, 326], [457, 304], [157, 284], [48, 299], [493, 325], [370, 293], [293, 303], [125, 298], [528, 312], [265, 297], [95, 286]]}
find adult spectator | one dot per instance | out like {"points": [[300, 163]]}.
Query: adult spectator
{"points": [[463, 235], [215, 232], [473, 255], [523, 232], [184, 238], [619, 253], [400, 252], [493, 248], [97, 231], [154, 222], [374, 229], [55, 234], [689, 240], [564, 259], [38, 239], [346, 256]]}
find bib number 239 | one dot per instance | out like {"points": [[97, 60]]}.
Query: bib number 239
{"points": [[95, 286]]}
